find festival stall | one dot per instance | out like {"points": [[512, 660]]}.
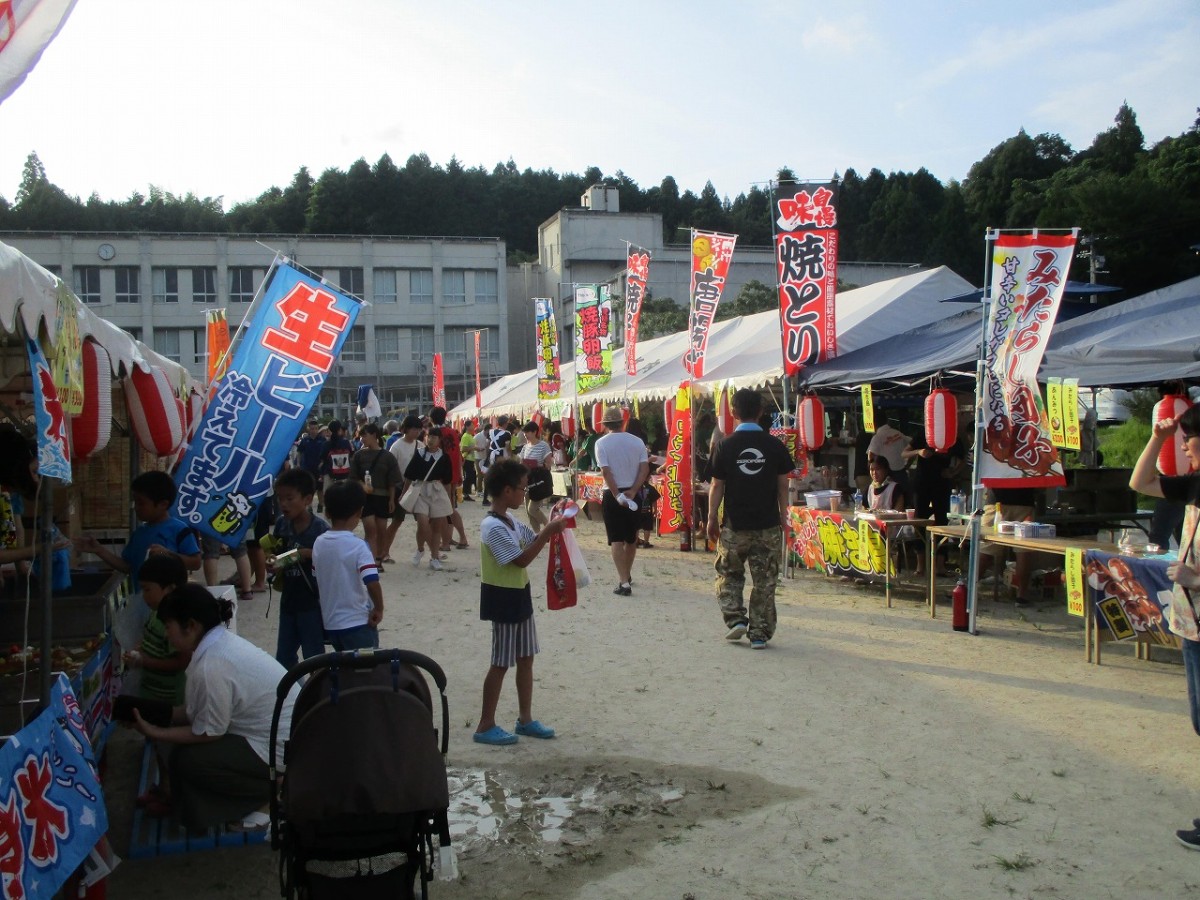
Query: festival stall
{"points": [[58, 362]]}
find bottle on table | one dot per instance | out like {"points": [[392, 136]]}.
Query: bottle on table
{"points": [[858, 500]]}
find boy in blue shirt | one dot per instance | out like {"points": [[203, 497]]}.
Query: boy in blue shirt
{"points": [[300, 626], [153, 496]]}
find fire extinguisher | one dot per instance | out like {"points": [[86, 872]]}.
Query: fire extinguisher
{"points": [[959, 601]]}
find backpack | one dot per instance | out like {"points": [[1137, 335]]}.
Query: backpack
{"points": [[497, 443]]}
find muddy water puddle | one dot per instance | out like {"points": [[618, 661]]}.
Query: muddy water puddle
{"points": [[489, 807]]}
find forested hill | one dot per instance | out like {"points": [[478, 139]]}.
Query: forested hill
{"points": [[1138, 203]]}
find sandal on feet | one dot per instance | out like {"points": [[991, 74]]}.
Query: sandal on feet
{"points": [[389, 560], [534, 729], [245, 596], [463, 545], [255, 822], [154, 794], [496, 736]]}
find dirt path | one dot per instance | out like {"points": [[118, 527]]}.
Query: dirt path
{"points": [[867, 753]]}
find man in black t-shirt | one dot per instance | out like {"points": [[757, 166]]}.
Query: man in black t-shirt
{"points": [[750, 474]]}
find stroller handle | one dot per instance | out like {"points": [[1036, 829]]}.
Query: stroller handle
{"points": [[360, 659]]}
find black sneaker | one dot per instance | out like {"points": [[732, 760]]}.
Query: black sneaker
{"points": [[623, 590], [1189, 839]]}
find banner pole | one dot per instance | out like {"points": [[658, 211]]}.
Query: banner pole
{"points": [[977, 444]]}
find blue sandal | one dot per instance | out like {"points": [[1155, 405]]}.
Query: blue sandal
{"points": [[534, 729], [496, 736]]}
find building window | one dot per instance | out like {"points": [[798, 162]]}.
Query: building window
{"points": [[454, 340], [165, 282], [385, 286], [200, 345], [56, 271], [87, 283], [350, 280], [129, 284], [241, 284], [355, 348], [166, 342], [134, 332], [485, 287], [420, 286], [204, 285], [387, 343], [454, 285], [422, 344]]}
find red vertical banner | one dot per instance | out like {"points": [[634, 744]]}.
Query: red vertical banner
{"points": [[478, 386], [806, 244], [1029, 275], [637, 273], [439, 382], [216, 329], [711, 253], [676, 510]]}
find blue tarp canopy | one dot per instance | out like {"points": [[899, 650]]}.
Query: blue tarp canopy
{"points": [[1143, 340], [1150, 338]]}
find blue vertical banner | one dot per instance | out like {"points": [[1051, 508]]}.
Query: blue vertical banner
{"points": [[54, 457], [260, 405], [52, 811]]}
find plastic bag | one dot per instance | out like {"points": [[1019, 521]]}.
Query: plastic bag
{"points": [[578, 565]]}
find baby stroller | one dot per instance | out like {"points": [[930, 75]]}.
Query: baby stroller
{"points": [[363, 788]]}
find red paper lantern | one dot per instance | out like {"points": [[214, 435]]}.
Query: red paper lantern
{"points": [[598, 417], [92, 428], [153, 411], [941, 420], [568, 422], [812, 423], [1171, 458], [725, 413], [669, 412]]}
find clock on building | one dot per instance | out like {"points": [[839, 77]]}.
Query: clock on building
{"points": [[106, 251]]}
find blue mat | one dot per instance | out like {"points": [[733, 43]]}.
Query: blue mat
{"points": [[162, 836]]}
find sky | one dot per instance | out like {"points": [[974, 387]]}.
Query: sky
{"points": [[227, 98]]}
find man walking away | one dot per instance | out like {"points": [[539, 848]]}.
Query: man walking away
{"points": [[625, 466], [750, 474]]}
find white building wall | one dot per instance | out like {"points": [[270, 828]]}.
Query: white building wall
{"points": [[399, 333]]}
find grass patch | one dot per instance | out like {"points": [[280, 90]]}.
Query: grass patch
{"points": [[1019, 863]]}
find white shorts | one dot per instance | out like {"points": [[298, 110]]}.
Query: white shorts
{"points": [[433, 501]]}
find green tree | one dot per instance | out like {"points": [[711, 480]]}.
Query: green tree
{"points": [[754, 297]]}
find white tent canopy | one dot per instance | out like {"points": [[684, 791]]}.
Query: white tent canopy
{"points": [[745, 351], [30, 292]]}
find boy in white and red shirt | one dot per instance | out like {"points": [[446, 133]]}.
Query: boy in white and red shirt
{"points": [[347, 574]]}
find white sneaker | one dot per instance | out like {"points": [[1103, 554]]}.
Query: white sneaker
{"points": [[436, 565], [417, 557]]}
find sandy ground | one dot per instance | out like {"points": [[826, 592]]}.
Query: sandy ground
{"points": [[867, 753]]}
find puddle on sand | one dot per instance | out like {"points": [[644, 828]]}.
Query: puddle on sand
{"points": [[490, 807]]}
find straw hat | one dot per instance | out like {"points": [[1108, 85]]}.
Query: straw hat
{"points": [[613, 416]]}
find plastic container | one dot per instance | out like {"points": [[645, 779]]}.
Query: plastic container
{"points": [[819, 499]]}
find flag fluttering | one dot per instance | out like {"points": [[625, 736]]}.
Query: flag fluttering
{"points": [[711, 253]]}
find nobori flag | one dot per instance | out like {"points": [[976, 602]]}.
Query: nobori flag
{"points": [[261, 403]]}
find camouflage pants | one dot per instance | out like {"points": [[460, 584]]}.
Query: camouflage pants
{"points": [[761, 550]]}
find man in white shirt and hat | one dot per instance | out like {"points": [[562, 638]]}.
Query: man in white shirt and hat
{"points": [[625, 466]]}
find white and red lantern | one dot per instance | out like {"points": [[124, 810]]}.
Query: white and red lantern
{"points": [[598, 418], [154, 411], [669, 412], [568, 422], [725, 412], [538, 419], [941, 420], [811, 423], [1171, 458], [92, 428]]}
